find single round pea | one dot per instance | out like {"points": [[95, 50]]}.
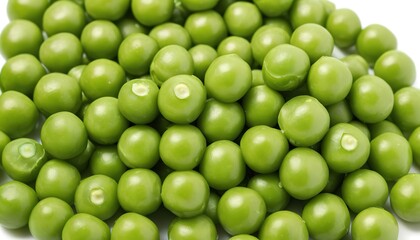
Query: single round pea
{"points": [[361, 126], [134, 226], [339, 112], [139, 191], [185, 193], [280, 22], [57, 179], [199, 227], [85, 226], [384, 126], [28, 10], [16, 203], [364, 188], [241, 210], [314, 39], [357, 65], [243, 237], [103, 114], [4, 140], [304, 120], [81, 161], [138, 146], [334, 181], [236, 45], [171, 34], [48, 218], [21, 73], [228, 78], [239, 13], [195, 6], [76, 72], [273, 8], [106, 9], [303, 173], [20, 36], [344, 25], [106, 161], [285, 67], [211, 208], [285, 225], [406, 112], [374, 224], [152, 13], [414, 140], [257, 77], [129, 25], [390, 156], [170, 61], [22, 159], [222, 165], [182, 98], [61, 52], [371, 99], [137, 101], [307, 11], [202, 56], [97, 195], [64, 135], [405, 197]]}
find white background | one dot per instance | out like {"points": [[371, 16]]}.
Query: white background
{"points": [[402, 17]]}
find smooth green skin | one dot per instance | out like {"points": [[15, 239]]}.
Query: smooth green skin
{"points": [[220, 120], [29, 10], [307, 11], [179, 14], [207, 27], [22, 114], [285, 67], [374, 40], [106, 9], [81, 161], [64, 135], [97, 195], [56, 92], [364, 188], [314, 39], [137, 101], [152, 13], [266, 38], [16, 203], [20, 36], [271, 190], [339, 113], [280, 22], [304, 120], [185, 193], [195, 6], [329, 80], [182, 98], [334, 181], [199, 227], [345, 148], [222, 165], [326, 216], [405, 197], [61, 52], [236, 45], [263, 148], [242, 19], [285, 225], [85, 226], [357, 65], [384, 126], [138, 146], [406, 112], [134, 226], [211, 208], [102, 78], [243, 237], [303, 173], [22, 159], [4, 140], [344, 25], [273, 8], [103, 113], [136, 53], [202, 56], [414, 140], [76, 72], [105, 160], [170, 61], [396, 68], [129, 25], [57, 179], [241, 210], [48, 218], [257, 77], [171, 34], [139, 191], [182, 147], [390, 156], [374, 224], [101, 39], [362, 126], [21, 73], [371, 99], [64, 16], [228, 78]]}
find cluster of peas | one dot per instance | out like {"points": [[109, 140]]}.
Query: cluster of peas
{"points": [[222, 111]]}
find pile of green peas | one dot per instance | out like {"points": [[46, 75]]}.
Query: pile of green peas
{"points": [[122, 117]]}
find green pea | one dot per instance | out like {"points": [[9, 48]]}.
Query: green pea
{"points": [[106, 161], [129, 25], [32, 11], [105, 9], [273, 8], [171, 34], [406, 112], [134, 226], [236, 45], [357, 65], [405, 197], [283, 224], [307, 11], [344, 25], [239, 12], [152, 13], [200, 227], [202, 55], [339, 113], [85, 226], [414, 140], [384, 126], [374, 224]]}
